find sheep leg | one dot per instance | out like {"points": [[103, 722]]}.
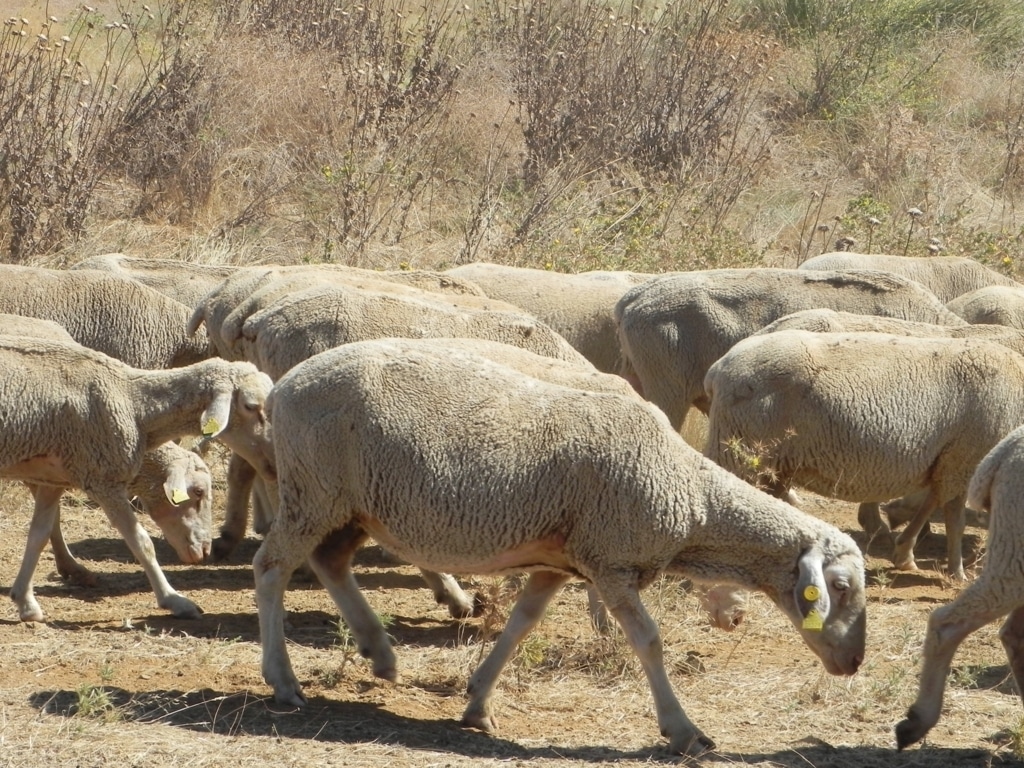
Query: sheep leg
{"points": [[44, 518], [1012, 637], [240, 479], [903, 557], [448, 592], [122, 516], [869, 516], [598, 613], [331, 561], [955, 519], [527, 612], [980, 603], [262, 507], [67, 565], [623, 600]]}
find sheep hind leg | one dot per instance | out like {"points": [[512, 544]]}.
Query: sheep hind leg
{"points": [[948, 625], [67, 565], [448, 592], [528, 610], [331, 561], [1012, 637], [955, 516], [623, 601], [240, 480]]}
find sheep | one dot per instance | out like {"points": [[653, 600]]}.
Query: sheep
{"points": [[106, 312], [580, 307], [994, 305], [71, 417], [173, 485], [671, 329], [214, 309], [462, 464], [899, 511], [186, 282], [865, 417], [945, 276], [998, 486]]}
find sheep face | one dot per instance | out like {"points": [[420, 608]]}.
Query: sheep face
{"points": [[175, 487], [237, 417], [829, 608]]}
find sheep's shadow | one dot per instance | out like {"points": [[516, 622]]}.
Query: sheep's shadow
{"points": [[242, 714]]}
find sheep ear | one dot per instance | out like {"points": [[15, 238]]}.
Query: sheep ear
{"points": [[176, 484], [215, 417], [811, 591]]}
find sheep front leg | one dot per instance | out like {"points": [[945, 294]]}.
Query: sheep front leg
{"points": [[240, 479], [448, 592], [331, 561], [623, 600], [903, 557], [948, 625], [528, 610], [122, 516], [44, 518], [1012, 637], [955, 517]]}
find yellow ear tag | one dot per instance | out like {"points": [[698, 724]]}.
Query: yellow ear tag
{"points": [[811, 593], [178, 496], [211, 427], [813, 621]]}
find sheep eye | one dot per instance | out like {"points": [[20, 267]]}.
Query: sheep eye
{"points": [[840, 586]]}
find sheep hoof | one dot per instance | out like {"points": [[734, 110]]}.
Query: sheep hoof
{"points": [[910, 731], [181, 607], [480, 605], [459, 610], [477, 716], [223, 546], [31, 613], [79, 577], [693, 743], [388, 673], [290, 698]]}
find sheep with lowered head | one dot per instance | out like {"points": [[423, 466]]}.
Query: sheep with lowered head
{"points": [[997, 486], [945, 276], [865, 417], [673, 328], [71, 417], [992, 305], [461, 464], [580, 307], [173, 485]]}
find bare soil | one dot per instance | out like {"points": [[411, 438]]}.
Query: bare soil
{"points": [[111, 679]]}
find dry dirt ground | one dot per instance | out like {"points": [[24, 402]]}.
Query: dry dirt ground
{"points": [[111, 679]]}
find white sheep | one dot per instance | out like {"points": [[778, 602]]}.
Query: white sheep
{"points": [[580, 307], [673, 328], [898, 511], [994, 305], [945, 276], [865, 417], [71, 417], [173, 485], [461, 464], [106, 312], [997, 486], [187, 282]]}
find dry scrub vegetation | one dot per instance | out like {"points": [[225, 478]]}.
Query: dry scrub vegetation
{"points": [[572, 135]]}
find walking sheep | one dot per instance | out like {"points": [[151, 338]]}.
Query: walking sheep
{"points": [[994, 305], [74, 418], [673, 328], [997, 486], [580, 307], [459, 463], [945, 276], [865, 417], [109, 313]]}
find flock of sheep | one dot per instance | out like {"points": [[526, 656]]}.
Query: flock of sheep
{"points": [[492, 419]]}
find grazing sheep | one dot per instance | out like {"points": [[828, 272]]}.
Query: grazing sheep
{"points": [[580, 307], [994, 305], [109, 313], [214, 309], [173, 484], [186, 282], [945, 276], [997, 486], [462, 464], [898, 511], [673, 328], [865, 417], [71, 417]]}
